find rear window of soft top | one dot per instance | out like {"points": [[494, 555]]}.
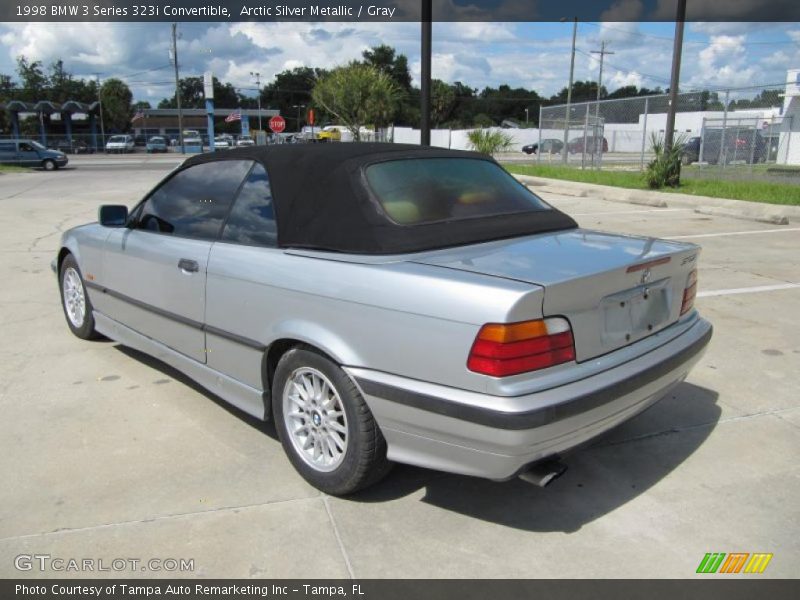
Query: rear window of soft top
{"points": [[428, 190]]}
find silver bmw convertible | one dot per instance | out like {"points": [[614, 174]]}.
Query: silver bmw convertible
{"points": [[389, 303]]}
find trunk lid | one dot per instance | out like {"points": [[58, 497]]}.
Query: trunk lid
{"points": [[613, 289]]}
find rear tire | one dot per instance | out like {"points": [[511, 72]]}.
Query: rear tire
{"points": [[75, 301], [325, 427]]}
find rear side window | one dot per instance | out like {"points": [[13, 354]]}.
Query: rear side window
{"points": [[194, 202], [252, 218], [427, 190], [8, 147]]}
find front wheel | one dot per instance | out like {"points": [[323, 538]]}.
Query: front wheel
{"points": [[75, 301], [49, 165], [326, 428]]}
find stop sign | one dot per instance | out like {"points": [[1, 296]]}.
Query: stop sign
{"points": [[277, 123]]}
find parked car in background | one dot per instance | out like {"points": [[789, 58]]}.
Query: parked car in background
{"points": [[140, 140], [732, 145], [76, 147], [120, 144], [587, 144], [192, 137], [330, 133], [389, 302], [30, 153], [224, 141], [245, 141], [549, 146], [156, 143]]}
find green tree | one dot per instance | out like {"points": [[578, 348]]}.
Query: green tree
{"points": [[117, 111], [291, 91], [6, 93], [385, 59], [443, 101], [31, 76], [357, 95], [6, 89], [193, 95], [582, 91], [483, 120]]}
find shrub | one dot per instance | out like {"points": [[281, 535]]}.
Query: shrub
{"points": [[665, 168], [487, 141]]}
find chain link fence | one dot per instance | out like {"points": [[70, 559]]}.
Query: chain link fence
{"points": [[731, 141], [734, 130]]}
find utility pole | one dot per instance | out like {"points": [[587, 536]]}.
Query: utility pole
{"points": [[597, 138], [602, 52], [674, 79], [425, 74], [569, 88], [177, 85], [298, 107], [258, 85], [100, 103]]}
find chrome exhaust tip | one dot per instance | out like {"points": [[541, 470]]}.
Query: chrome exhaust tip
{"points": [[544, 473]]}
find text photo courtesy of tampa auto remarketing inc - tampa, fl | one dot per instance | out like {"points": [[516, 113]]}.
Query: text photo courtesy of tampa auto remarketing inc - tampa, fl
{"points": [[399, 299]]}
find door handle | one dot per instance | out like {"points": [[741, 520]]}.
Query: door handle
{"points": [[188, 266]]}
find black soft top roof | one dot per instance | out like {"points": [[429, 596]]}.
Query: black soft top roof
{"points": [[322, 200]]}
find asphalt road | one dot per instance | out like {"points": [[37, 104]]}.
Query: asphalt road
{"points": [[107, 453]]}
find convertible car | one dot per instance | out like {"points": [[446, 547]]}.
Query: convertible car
{"points": [[389, 303]]}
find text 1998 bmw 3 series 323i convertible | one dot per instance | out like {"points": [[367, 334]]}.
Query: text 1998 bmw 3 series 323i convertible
{"points": [[389, 303]]}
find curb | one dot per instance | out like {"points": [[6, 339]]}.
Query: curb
{"points": [[738, 209]]}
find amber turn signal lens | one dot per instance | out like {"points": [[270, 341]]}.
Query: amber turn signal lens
{"points": [[502, 349]]}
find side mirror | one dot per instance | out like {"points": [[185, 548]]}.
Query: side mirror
{"points": [[112, 215]]}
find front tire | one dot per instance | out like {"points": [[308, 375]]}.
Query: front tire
{"points": [[75, 301], [326, 428], [49, 165]]}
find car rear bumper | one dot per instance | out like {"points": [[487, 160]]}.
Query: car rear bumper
{"points": [[496, 437]]}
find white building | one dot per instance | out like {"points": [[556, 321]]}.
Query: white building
{"points": [[789, 153]]}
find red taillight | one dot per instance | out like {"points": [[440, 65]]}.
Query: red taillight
{"points": [[689, 293], [509, 349]]}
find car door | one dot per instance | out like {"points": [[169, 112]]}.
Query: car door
{"points": [[155, 269], [8, 152], [28, 155], [243, 267]]}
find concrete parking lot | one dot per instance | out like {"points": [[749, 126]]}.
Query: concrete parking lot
{"points": [[108, 454]]}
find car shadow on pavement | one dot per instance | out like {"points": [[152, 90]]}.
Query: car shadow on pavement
{"points": [[613, 470], [616, 468], [266, 427]]}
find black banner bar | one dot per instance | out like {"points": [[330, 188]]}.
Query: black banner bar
{"points": [[393, 10]]}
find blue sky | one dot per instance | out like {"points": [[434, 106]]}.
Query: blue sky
{"points": [[532, 55]]}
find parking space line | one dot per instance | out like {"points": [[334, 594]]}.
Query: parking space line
{"points": [[631, 212], [749, 290], [723, 234]]}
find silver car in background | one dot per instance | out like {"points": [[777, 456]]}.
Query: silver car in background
{"points": [[389, 303]]}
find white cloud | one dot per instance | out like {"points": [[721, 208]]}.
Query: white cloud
{"points": [[724, 62], [94, 44], [619, 79]]}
